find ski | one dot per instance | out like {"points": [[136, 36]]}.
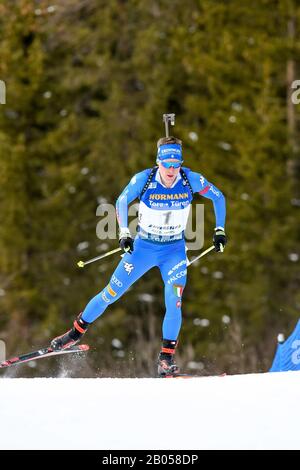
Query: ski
{"points": [[190, 376], [179, 376], [41, 353]]}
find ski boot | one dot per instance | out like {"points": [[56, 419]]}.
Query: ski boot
{"points": [[166, 364], [71, 337]]}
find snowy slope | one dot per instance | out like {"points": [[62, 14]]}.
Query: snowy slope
{"points": [[257, 411]]}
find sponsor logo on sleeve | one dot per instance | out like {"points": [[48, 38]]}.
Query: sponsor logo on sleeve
{"points": [[128, 267], [111, 291], [176, 267], [116, 281], [213, 190], [177, 276], [103, 295]]}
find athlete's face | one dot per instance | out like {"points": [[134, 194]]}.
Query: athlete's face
{"points": [[168, 175]]}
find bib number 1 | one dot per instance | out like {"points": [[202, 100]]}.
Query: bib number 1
{"points": [[167, 216]]}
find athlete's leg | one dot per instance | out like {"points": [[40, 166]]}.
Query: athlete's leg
{"points": [[173, 270], [130, 269]]}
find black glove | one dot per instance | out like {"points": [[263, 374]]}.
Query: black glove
{"points": [[219, 239], [126, 241]]}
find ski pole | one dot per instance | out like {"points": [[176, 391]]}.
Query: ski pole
{"points": [[201, 255], [81, 264]]}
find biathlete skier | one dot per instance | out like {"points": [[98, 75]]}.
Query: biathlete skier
{"points": [[165, 193]]}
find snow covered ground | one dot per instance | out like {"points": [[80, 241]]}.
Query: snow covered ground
{"points": [[257, 411]]}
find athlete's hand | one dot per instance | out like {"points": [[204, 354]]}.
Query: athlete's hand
{"points": [[126, 241], [219, 239]]}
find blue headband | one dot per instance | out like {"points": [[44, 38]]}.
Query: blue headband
{"points": [[169, 151]]}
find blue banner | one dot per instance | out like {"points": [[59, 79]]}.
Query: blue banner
{"points": [[287, 356]]}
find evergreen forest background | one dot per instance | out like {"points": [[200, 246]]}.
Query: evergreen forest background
{"points": [[87, 82]]}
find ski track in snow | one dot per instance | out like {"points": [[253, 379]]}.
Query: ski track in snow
{"points": [[255, 411]]}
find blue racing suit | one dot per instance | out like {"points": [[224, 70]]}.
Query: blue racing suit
{"points": [[163, 214]]}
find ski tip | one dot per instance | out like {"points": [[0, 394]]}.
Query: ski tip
{"points": [[39, 354], [8, 362], [4, 364]]}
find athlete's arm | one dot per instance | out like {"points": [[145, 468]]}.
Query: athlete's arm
{"points": [[204, 188], [129, 194]]}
